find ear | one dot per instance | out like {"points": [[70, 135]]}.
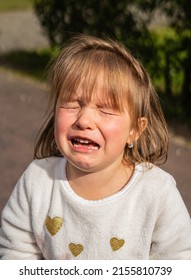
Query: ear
{"points": [[136, 133], [142, 124]]}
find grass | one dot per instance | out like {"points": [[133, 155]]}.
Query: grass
{"points": [[27, 63], [12, 5]]}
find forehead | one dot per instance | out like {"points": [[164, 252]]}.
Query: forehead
{"points": [[95, 75], [92, 91]]}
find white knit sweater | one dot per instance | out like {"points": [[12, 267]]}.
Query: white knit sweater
{"points": [[44, 218]]}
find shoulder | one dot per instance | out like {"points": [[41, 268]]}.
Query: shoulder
{"points": [[41, 172], [156, 175], [158, 189], [156, 181], [46, 166], [39, 178]]}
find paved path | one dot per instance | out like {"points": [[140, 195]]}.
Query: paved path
{"points": [[22, 107], [21, 30], [179, 165]]}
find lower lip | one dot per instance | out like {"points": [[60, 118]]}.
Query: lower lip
{"points": [[84, 149]]}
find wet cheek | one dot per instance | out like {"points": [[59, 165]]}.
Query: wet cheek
{"points": [[113, 127], [117, 131], [61, 123], [60, 128], [59, 133]]}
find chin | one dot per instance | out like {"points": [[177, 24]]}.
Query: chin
{"points": [[85, 167]]}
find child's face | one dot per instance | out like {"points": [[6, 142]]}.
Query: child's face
{"points": [[91, 136]]}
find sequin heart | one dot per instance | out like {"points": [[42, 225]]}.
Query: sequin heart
{"points": [[116, 243], [75, 249], [53, 225]]}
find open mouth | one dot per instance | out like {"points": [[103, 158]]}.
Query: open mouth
{"points": [[82, 142]]}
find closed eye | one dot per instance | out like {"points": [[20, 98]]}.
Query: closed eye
{"points": [[76, 106], [70, 105], [107, 112]]}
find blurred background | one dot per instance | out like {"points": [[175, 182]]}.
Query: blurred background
{"points": [[157, 32]]}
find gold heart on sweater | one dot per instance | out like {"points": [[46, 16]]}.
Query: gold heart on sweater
{"points": [[53, 225], [75, 249], [116, 243]]}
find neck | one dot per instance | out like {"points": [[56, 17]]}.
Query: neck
{"points": [[99, 184]]}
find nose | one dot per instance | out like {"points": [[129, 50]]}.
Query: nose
{"points": [[86, 118]]}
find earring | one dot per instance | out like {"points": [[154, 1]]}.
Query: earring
{"points": [[130, 145]]}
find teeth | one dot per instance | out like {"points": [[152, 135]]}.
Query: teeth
{"points": [[82, 141], [92, 145], [94, 148]]}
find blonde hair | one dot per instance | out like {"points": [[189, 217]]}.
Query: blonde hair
{"points": [[126, 83]]}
